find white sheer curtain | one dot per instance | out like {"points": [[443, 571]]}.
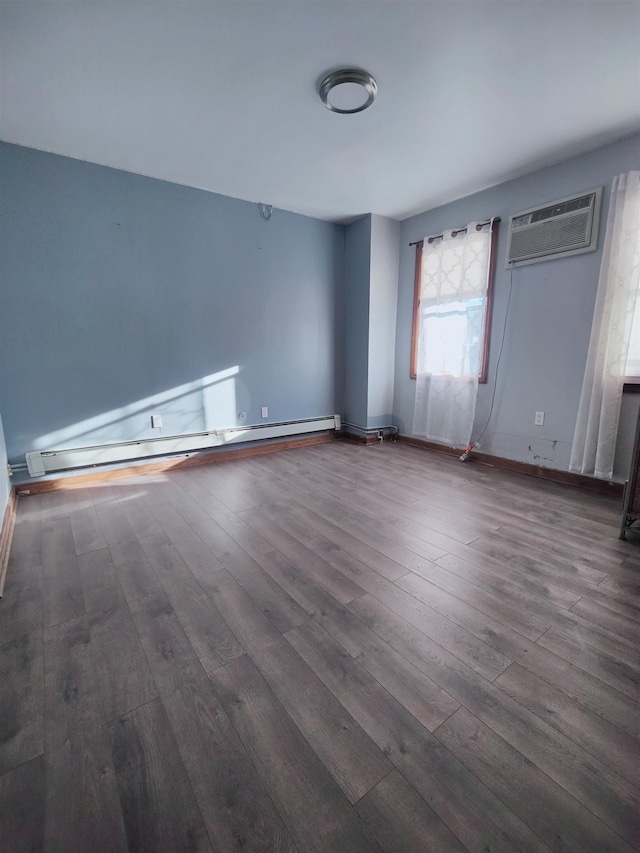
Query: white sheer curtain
{"points": [[451, 334], [594, 440]]}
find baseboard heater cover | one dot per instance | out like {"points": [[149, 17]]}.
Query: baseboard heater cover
{"points": [[41, 462]]}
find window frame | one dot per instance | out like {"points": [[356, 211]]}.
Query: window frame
{"points": [[417, 287]]}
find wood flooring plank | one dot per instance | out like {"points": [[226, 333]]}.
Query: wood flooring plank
{"points": [[82, 806], [627, 580], [620, 603], [158, 805], [57, 541], [139, 516], [22, 808], [589, 730], [570, 622], [477, 653], [336, 546], [28, 505], [85, 524], [167, 564], [417, 693], [483, 657], [522, 569], [355, 763], [353, 760], [230, 555], [62, 591], [236, 808], [611, 704], [125, 679], [209, 633], [602, 665], [315, 809], [530, 557], [423, 524], [21, 672], [54, 505], [583, 631], [193, 550], [603, 617], [404, 548], [401, 820], [375, 500], [134, 570], [336, 584], [277, 605], [503, 580], [571, 545], [245, 536], [26, 544], [604, 792], [210, 479], [116, 528], [464, 804], [159, 505], [438, 589], [556, 817], [72, 695], [188, 508]]}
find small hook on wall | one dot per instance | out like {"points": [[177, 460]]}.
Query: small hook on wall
{"points": [[265, 210]]}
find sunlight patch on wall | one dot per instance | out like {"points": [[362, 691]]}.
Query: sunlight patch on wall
{"points": [[208, 403]]}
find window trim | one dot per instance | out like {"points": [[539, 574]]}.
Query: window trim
{"points": [[417, 286]]}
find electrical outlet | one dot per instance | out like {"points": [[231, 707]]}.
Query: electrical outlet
{"points": [[539, 419], [156, 421], [265, 411]]}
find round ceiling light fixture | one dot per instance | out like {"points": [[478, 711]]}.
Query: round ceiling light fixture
{"points": [[349, 90]]}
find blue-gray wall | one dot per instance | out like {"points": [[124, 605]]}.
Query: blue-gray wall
{"points": [[550, 314], [5, 483], [356, 320], [124, 296]]}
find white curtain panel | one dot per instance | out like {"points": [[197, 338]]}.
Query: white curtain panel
{"points": [[451, 335], [594, 440]]}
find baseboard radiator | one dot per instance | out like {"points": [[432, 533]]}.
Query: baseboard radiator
{"points": [[41, 462]]}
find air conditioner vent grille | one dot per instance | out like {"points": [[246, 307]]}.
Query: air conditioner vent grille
{"points": [[551, 237], [566, 227], [557, 209]]}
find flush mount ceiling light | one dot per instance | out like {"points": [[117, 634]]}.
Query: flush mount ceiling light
{"points": [[348, 90]]}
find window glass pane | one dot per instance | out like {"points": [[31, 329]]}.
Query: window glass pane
{"points": [[450, 338]]}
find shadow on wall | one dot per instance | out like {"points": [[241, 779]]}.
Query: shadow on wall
{"points": [[203, 404]]}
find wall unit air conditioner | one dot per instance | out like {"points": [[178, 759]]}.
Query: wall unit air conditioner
{"points": [[568, 226]]}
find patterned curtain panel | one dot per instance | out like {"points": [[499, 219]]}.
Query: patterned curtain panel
{"points": [[452, 313], [617, 302]]}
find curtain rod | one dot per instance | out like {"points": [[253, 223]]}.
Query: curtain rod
{"points": [[495, 220]]}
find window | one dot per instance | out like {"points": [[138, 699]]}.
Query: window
{"points": [[453, 295]]}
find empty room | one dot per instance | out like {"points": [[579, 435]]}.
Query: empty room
{"points": [[320, 426]]}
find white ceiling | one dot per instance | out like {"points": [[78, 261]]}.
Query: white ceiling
{"points": [[223, 95]]}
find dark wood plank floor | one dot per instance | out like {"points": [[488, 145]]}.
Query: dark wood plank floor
{"points": [[331, 649]]}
